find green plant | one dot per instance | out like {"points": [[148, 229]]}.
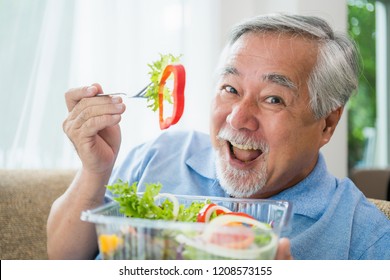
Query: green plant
{"points": [[362, 106]]}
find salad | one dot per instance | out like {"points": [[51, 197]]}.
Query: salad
{"points": [[223, 233]]}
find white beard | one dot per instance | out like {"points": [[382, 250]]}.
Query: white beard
{"points": [[239, 183]]}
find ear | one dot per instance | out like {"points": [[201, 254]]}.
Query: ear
{"points": [[330, 123]]}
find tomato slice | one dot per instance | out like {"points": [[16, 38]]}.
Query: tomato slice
{"points": [[241, 239], [233, 219]]}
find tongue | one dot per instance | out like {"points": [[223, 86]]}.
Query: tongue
{"points": [[246, 155]]}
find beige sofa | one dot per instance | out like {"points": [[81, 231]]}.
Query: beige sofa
{"points": [[25, 200]]}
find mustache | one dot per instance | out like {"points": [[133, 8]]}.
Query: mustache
{"points": [[242, 139]]}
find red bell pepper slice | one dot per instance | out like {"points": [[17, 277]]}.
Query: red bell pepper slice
{"points": [[179, 75], [205, 213], [201, 218]]}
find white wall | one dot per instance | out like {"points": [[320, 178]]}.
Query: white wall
{"points": [[335, 11]]}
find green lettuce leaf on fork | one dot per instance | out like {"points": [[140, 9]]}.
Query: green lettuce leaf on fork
{"points": [[156, 69]]}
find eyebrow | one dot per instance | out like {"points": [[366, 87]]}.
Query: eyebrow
{"points": [[229, 70], [280, 80], [276, 78]]}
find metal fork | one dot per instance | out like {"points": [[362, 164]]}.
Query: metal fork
{"points": [[140, 94]]}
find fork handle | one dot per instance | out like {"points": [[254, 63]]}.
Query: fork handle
{"points": [[109, 94]]}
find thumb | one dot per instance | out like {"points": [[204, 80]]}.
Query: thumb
{"points": [[284, 250]]}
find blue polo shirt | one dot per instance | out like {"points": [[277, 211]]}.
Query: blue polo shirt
{"points": [[331, 218]]}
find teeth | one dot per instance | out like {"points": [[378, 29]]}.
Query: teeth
{"points": [[243, 147]]}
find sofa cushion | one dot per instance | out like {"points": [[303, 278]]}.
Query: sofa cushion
{"points": [[25, 200], [382, 205]]}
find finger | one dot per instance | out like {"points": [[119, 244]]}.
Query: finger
{"points": [[74, 122], [73, 96], [97, 111], [87, 105], [98, 86], [284, 250], [93, 125]]}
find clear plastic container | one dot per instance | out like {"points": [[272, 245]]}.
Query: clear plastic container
{"points": [[122, 237]]}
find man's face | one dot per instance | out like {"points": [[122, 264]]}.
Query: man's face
{"points": [[262, 128]]}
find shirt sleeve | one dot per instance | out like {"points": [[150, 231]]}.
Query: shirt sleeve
{"points": [[379, 250]]}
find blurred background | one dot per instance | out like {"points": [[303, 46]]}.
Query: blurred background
{"points": [[47, 47]]}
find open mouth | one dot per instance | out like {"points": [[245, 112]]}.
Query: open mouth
{"points": [[244, 153]]}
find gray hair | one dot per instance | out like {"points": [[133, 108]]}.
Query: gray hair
{"points": [[335, 76]]}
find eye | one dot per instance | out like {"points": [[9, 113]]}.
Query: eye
{"points": [[230, 89], [274, 100]]}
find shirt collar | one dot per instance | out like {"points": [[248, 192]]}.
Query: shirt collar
{"points": [[203, 162], [311, 196]]}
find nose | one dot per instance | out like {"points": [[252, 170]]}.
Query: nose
{"points": [[243, 116]]}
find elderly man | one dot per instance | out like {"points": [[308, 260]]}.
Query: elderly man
{"points": [[283, 83]]}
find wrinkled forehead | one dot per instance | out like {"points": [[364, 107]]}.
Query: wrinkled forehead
{"points": [[295, 53], [283, 46]]}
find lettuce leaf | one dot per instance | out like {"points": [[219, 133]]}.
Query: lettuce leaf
{"points": [[156, 69], [144, 206]]}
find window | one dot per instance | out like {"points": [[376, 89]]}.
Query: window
{"points": [[47, 47], [368, 125], [383, 82]]}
